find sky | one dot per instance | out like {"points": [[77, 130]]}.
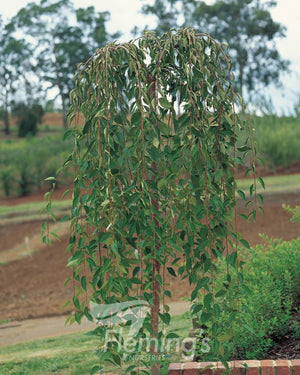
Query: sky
{"points": [[125, 14]]}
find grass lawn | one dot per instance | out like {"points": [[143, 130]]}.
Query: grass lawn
{"points": [[274, 184], [70, 354], [73, 354], [32, 211]]}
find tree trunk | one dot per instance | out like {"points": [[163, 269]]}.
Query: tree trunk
{"points": [[241, 78], [156, 289], [155, 370], [64, 112], [62, 96], [6, 122]]}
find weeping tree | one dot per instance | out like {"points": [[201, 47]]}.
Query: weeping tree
{"points": [[154, 188]]}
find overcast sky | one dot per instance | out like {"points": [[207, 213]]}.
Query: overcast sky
{"points": [[125, 15]]}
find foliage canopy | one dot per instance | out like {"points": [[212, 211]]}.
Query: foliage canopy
{"points": [[154, 188], [246, 26]]}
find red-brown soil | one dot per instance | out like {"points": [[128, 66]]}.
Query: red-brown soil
{"points": [[33, 286]]}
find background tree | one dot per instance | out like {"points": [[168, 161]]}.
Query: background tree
{"points": [[166, 13], [169, 13], [61, 43], [15, 66], [250, 32], [93, 28], [245, 25]]}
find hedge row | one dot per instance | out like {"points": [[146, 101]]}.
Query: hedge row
{"points": [[24, 164], [266, 304], [278, 140]]}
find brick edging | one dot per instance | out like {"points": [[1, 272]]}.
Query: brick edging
{"points": [[249, 367]]}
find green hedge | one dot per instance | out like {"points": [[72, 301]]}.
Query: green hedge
{"points": [[24, 164], [278, 140], [272, 278], [262, 305]]}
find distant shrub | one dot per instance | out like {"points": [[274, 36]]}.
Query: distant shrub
{"points": [[24, 164], [295, 212], [7, 179], [39, 112], [28, 118], [27, 124], [278, 140]]}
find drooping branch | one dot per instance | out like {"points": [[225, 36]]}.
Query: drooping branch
{"points": [[155, 185]]}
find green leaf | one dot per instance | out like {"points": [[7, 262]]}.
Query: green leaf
{"points": [[43, 227], [66, 304], [251, 189], [245, 217], [231, 258], [175, 245], [95, 370], [68, 134], [205, 317], [247, 172], [261, 182], [49, 179], [172, 335], [244, 148], [208, 301], [104, 237], [159, 279], [155, 142], [194, 294], [65, 218], [171, 271], [78, 317], [241, 194], [136, 117], [202, 282], [166, 317], [130, 368], [245, 243], [83, 283], [67, 281], [55, 235], [117, 359], [76, 302], [165, 103], [221, 293], [87, 314], [65, 193]]}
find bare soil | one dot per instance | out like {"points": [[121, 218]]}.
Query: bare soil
{"points": [[32, 286], [287, 347]]}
